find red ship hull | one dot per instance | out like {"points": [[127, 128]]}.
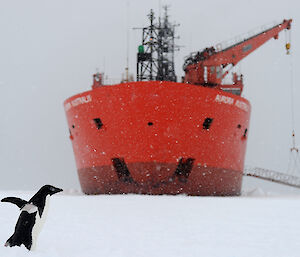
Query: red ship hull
{"points": [[158, 138]]}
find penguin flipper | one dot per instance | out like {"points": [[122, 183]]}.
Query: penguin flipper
{"points": [[17, 201]]}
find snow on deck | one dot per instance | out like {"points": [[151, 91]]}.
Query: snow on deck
{"points": [[168, 226]]}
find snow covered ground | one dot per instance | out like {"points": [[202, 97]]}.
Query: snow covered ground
{"points": [[255, 224]]}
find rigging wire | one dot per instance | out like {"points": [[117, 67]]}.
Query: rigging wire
{"points": [[127, 43], [288, 45], [294, 161]]}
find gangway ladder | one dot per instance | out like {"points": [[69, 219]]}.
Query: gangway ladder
{"points": [[273, 176]]}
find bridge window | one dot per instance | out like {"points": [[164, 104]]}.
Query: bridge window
{"points": [[235, 91]]}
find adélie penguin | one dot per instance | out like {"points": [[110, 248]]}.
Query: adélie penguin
{"points": [[32, 217]]}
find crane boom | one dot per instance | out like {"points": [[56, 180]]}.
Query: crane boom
{"points": [[206, 67], [237, 52]]}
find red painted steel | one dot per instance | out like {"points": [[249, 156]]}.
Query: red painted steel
{"points": [[152, 126], [209, 67], [160, 137]]}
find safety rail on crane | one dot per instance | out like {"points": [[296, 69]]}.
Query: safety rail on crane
{"points": [[207, 67], [230, 42]]}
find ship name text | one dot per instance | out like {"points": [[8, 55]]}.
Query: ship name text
{"points": [[78, 101], [230, 101]]}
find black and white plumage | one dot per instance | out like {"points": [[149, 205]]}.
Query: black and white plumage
{"points": [[32, 217]]}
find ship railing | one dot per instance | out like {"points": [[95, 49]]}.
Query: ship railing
{"points": [[111, 81], [274, 176], [232, 41], [242, 37]]}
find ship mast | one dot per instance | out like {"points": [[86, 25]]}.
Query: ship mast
{"points": [[155, 58]]}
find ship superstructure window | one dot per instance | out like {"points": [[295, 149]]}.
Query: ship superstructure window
{"points": [[235, 91], [98, 123], [207, 123]]}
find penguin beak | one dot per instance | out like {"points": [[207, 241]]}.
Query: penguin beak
{"points": [[55, 190]]}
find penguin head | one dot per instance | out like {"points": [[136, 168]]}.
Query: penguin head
{"points": [[50, 190]]}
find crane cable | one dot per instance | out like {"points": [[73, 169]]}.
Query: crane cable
{"points": [[294, 151]]}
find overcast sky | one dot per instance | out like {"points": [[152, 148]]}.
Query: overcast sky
{"points": [[50, 49]]}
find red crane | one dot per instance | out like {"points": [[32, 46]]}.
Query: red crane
{"points": [[207, 67]]}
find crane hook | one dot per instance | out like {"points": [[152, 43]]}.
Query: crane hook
{"points": [[288, 47]]}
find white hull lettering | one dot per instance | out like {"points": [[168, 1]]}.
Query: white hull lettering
{"points": [[242, 105], [78, 101], [230, 101], [224, 99]]}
